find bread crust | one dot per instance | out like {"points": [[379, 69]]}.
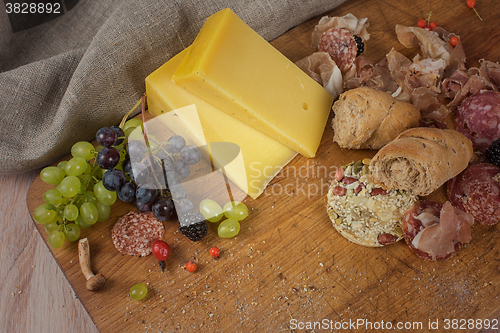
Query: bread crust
{"points": [[366, 118], [421, 159]]}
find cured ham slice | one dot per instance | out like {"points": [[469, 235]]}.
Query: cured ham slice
{"points": [[431, 45], [323, 70], [436, 232]]}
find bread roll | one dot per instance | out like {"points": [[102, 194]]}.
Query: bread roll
{"points": [[420, 160], [366, 118]]}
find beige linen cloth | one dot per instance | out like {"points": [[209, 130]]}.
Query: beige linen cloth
{"points": [[60, 81]]}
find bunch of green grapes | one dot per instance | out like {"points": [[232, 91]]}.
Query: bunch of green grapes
{"points": [[79, 198], [234, 211]]}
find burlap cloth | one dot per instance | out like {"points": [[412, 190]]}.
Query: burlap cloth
{"points": [[62, 80]]}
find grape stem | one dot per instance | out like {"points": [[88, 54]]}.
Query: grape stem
{"points": [[124, 119]]}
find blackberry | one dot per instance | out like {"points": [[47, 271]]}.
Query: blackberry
{"points": [[493, 153], [193, 226], [360, 45]]}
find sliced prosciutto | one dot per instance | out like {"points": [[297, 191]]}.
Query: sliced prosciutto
{"points": [[436, 232]]}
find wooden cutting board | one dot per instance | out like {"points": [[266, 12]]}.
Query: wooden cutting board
{"points": [[288, 267]]}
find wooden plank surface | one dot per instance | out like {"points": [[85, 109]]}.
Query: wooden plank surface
{"points": [[288, 263]]}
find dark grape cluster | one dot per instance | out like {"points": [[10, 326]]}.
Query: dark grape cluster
{"points": [[149, 177]]}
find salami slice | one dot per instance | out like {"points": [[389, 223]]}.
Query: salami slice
{"points": [[341, 46], [135, 232], [481, 192], [478, 118]]}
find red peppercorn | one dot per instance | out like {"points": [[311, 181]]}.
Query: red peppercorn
{"points": [[454, 40], [433, 25], [191, 266], [215, 252], [471, 3], [428, 28], [161, 251], [421, 23]]}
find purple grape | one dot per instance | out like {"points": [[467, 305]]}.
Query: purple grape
{"points": [[168, 165], [139, 172], [162, 208], [127, 165], [127, 192], [120, 135], [183, 206], [107, 157], [137, 150], [113, 179], [190, 154], [175, 144], [178, 192], [182, 169], [173, 178], [145, 193], [106, 137], [142, 207]]}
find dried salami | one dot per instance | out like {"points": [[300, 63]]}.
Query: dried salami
{"points": [[477, 191], [135, 232], [478, 118], [341, 46]]}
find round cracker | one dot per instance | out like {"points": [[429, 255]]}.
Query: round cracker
{"points": [[362, 218]]}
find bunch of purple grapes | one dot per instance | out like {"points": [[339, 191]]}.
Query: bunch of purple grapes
{"points": [[150, 177]]}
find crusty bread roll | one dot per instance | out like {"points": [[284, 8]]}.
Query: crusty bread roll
{"points": [[421, 159], [366, 118]]}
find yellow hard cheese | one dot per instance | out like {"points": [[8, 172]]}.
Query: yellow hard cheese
{"points": [[232, 67], [263, 157]]}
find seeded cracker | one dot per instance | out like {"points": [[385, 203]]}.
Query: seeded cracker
{"points": [[363, 212], [134, 233]]}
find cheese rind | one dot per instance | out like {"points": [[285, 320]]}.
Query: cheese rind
{"points": [[232, 67], [262, 156]]}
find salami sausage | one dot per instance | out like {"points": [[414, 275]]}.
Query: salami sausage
{"points": [[341, 46], [477, 191], [478, 118], [135, 232]]}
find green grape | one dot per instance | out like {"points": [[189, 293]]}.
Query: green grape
{"points": [[53, 197], [103, 195], [211, 210], [235, 210], [56, 239], [81, 223], [70, 212], [132, 123], [76, 166], [136, 134], [83, 149], [62, 164], [89, 213], [69, 186], [228, 228], [52, 175], [43, 215], [138, 291], [90, 197], [103, 211], [72, 232], [51, 226], [128, 131]]}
